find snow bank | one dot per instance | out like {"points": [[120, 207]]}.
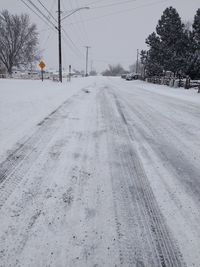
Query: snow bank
{"points": [[180, 93], [23, 103]]}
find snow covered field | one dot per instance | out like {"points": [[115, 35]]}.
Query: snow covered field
{"points": [[99, 172]]}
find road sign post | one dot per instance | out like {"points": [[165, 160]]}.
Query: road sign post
{"points": [[42, 74], [42, 66]]}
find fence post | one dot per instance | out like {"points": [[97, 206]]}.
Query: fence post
{"points": [[198, 89], [187, 82]]}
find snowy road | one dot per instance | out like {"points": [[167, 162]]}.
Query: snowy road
{"points": [[111, 177]]}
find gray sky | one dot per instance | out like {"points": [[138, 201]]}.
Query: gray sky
{"points": [[114, 32]]}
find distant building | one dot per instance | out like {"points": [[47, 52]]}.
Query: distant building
{"points": [[30, 74]]}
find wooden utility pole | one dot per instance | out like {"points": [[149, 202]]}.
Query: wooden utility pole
{"points": [[86, 69], [137, 62], [59, 42], [70, 70]]}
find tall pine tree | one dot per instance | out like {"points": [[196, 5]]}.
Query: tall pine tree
{"points": [[154, 62], [193, 67], [174, 47], [196, 28], [174, 41]]}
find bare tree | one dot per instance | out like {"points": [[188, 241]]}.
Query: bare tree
{"points": [[114, 70], [18, 41]]}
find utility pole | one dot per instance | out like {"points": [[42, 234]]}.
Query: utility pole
{"points": [[70, 70], [137, 62], [86, 71], [91, 65], [59, 42]]}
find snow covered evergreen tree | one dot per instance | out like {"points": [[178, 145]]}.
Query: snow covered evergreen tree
{"points": [[196, 28], [174, 41], [154, 61], [174, 47], [193, 67]]}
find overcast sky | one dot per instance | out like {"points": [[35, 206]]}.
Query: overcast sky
{"points": [[114, 29]]}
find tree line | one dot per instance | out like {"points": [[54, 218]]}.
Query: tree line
{"points": [[174, 46], [18, 41]]}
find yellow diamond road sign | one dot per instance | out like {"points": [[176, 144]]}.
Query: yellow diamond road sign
{"points": [[42, 65]]}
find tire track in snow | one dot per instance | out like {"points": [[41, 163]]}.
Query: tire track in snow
{"points": [[162, 248], [63, 197], [13, 169], [179, 161]]}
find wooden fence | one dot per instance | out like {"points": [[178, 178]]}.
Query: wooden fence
{"points": [[173, 82]]}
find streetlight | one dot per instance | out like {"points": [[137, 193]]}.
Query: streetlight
{"points": [[59, 34]]}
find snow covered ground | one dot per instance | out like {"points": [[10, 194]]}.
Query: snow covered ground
{"points": [[25, 103], [99, 172]]}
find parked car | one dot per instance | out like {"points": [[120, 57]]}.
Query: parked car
{"points": [[132, 76], [123, 76]]}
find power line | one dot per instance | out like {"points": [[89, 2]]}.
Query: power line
{"points": [[50, 14], [122, 11], [76, 26], [50, 34], [114, 4], [66, 41], [46, 40], [112, 61], [94, 2], [72, 43], [77, 30], [52, 5], [36, 14], [35, 9], [47, 19], [83, 24]]}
